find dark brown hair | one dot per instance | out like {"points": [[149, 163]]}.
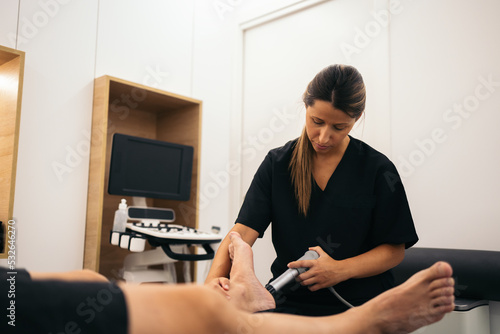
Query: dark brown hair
{"points": [[343, 87]]}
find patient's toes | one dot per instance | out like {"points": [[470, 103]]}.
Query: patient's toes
{"points": [[442, 269], [447, 291], [443, 301], [442, 283]]}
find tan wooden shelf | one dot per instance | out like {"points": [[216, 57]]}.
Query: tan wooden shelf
{"points": [[133, 109], [11, 87]]}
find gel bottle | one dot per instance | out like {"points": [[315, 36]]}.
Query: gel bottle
{"points": [[121, 217]]}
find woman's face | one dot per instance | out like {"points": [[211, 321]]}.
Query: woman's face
{"points": [[327, 127]]}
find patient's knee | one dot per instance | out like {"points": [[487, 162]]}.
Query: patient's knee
{"points": [[211, 307], [205, 308], [192, 308], [206, 298]]}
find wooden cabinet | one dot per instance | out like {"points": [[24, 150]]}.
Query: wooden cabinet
{"points": [[133, 109], [11, 85]]}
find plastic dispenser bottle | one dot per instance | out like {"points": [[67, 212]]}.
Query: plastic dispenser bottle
{"points": [[121, 217]]}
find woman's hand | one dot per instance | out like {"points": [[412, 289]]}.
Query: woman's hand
{"points": [[325, 271], [322, 273], [220, 284]]}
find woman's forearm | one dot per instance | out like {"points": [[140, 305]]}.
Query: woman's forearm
{"points": [[325, 271], [221, 265], [375, 261]]}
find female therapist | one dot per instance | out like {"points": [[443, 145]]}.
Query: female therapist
{"points": [[332, 193]]}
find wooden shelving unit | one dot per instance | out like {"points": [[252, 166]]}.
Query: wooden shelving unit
{"points": [[129, 108], [11, 87]]}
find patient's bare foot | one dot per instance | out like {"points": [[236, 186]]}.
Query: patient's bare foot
{"points": [[245, 289], [422, 300]]}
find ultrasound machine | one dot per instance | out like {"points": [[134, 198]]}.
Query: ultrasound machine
{"points": [[145, 168]]}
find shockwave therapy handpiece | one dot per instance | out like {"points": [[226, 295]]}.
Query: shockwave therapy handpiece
{"points": [[290, 275]]}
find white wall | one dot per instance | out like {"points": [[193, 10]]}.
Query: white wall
{"points": [[448, 157], [8, 24], [148, 42], [49, 208]]}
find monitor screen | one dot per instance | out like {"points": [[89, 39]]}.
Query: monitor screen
{"points": [[150, 168]]}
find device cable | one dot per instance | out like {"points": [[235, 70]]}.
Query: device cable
{"points": [[339, 297]]}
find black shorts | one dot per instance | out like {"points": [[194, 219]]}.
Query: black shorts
{"points": [[57, 307]]}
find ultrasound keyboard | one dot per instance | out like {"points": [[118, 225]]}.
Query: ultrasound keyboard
{"points": [[172, 231]]}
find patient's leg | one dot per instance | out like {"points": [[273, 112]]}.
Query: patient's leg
{"points": [[423, 299], [246, 292], [75, 275]]}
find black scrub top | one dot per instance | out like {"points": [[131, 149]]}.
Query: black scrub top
{"points": [[362, 206]]}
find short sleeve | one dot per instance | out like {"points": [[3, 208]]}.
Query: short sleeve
{"points": [[392, 219], [255, 211]]}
